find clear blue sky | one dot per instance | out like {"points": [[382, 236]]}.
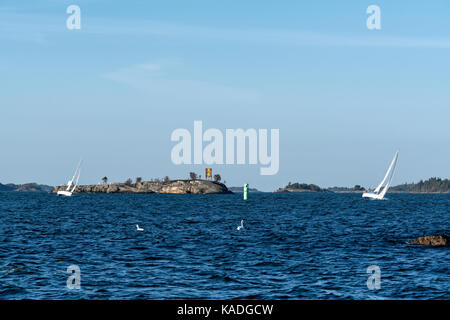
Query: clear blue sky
{"points": [[344, 98]]}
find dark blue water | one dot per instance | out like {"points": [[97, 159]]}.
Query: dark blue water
{"points": [[294, 246]]}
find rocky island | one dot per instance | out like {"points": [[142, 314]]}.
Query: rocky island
{"points": [[170, 186], [301, 187]]}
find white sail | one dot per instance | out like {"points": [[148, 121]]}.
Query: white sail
{"points": [[377, 189], [376, 194], [70, 184], [386, 188], [76, 182]]}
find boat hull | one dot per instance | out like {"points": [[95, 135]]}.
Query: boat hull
{"points": [[64, 193], [371, 195]]}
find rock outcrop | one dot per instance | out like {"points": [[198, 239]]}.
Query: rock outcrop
{"points": [[173, 186], [432, 241]]}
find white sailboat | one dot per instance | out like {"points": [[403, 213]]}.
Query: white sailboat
{"points": [[379, 193], [70, 185]]}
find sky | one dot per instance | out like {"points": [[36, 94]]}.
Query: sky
{"points": [[343, 97]]}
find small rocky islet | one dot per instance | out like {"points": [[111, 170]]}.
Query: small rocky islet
{"points": [[171, 187], [439, 240]]}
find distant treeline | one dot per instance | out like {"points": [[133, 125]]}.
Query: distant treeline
{"points": [[316, 188], [430, 185], [29, 187], [357, 188]]}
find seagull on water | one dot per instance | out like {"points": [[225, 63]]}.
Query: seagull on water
{"points": [[138, 228], [241, 226]]}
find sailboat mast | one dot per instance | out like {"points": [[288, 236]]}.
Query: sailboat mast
{"points": [[387, 173], [77, 170], [78, 178], [390, 179]]}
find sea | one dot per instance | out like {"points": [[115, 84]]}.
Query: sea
{"points": [[292, 246]]}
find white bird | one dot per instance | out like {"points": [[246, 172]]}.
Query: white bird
{"points": [[139, 229], [241, 226]]}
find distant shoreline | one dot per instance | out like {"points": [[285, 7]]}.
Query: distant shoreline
{"points": [[26, 187], [180, 186], [357, 192], [430, 186], [241, 190]]}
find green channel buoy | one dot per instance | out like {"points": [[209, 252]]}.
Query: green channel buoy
{"points": [[245, 191]]}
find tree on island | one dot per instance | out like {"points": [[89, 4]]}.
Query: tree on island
{"points": [[105, 180], [193, 175], [129, 182], [217, 178], [166, 179], [138, 180]]}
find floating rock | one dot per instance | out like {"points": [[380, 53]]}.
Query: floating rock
{"points": [[432, 241]]}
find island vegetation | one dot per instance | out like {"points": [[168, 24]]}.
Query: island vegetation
{"points": [[432, 185], [301, 187]]}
